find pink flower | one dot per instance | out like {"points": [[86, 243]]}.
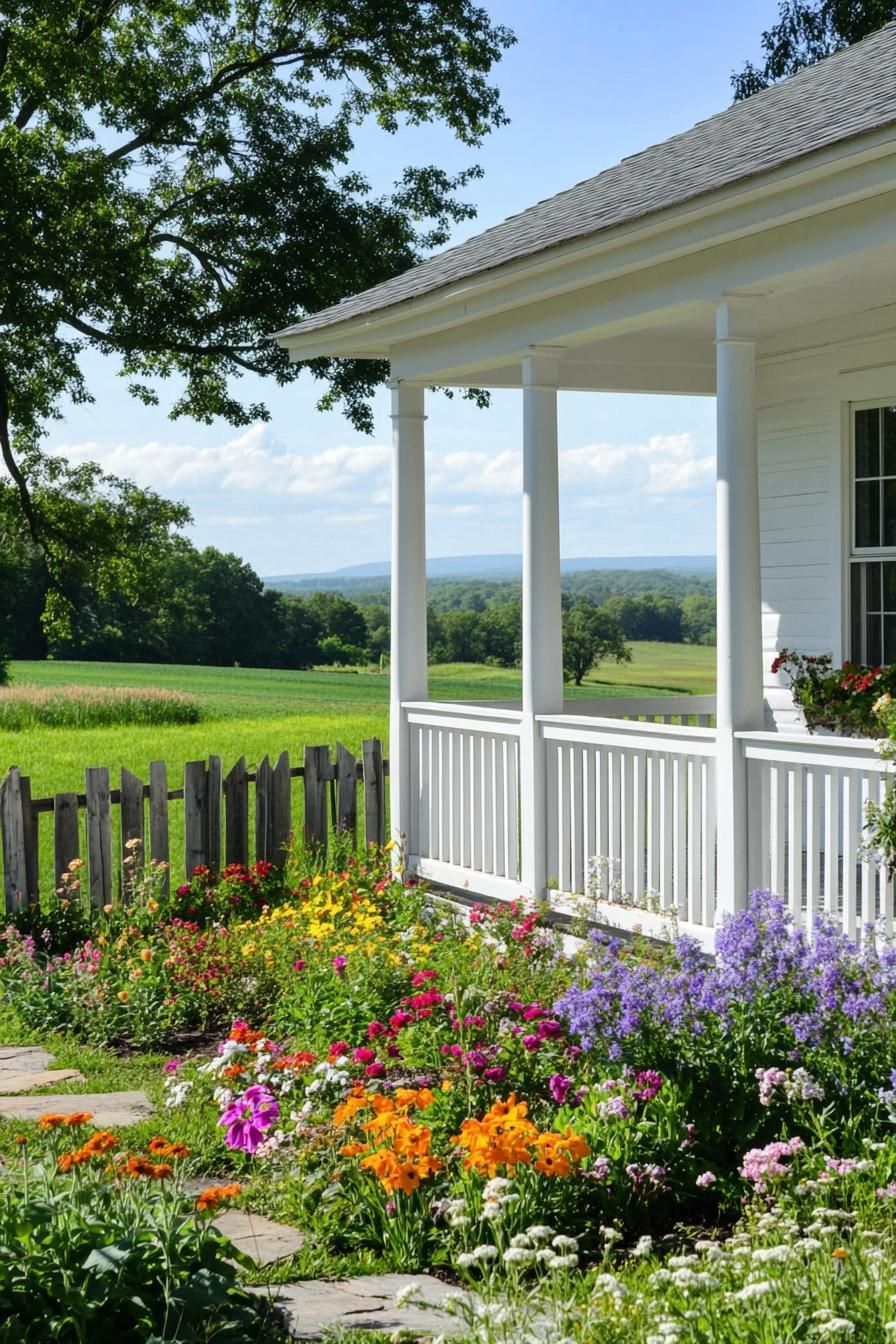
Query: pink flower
{"points": [[421, 977], [531, 1042], [706, 1179], [298, 964], [375, 1070], [339, 965], [363, 1055], [375, 1029], [172, 1065], [339, 1048]]}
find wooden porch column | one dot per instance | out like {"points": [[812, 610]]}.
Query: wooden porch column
{"points": [[542, 626], [407, 670], [739, 637]]}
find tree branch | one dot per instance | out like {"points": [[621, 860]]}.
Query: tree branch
{"points": [[84, 31], [203, 258], [162, 347], [12, 465]]}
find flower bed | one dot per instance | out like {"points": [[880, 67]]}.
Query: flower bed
{"points": [[451, 1088]]}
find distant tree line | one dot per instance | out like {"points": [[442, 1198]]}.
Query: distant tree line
{"points": [[210, 607]]}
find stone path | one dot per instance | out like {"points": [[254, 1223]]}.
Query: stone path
{"points": [[25, 1067], [316, 1306], [311, 1307]]}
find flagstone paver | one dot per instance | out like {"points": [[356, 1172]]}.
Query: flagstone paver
{"points": [[263, 1239], [108, 1108], [318, 1305], [26, 1067]]}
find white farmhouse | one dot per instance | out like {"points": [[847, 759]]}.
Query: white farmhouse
{"points": [[752, 258]]}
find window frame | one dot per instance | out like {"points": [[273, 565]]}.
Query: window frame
{"points": [[859, 555]]}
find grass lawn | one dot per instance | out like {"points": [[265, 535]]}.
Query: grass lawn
{"points": [[253, 712]]}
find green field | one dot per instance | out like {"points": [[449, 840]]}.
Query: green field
{"points": [[248, 711]]}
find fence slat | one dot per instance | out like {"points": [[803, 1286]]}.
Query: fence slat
{"points": [[195, 816], [99, 834], [263, 818], [158, 819], [12, 823], [131, 827], [29, 818], [236, 814], [374, 792], [66, 840], [213, 811], [281, 809], [317, 771], [346, 792]]}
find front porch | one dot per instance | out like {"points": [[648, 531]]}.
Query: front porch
{"points": [[630, 818]]}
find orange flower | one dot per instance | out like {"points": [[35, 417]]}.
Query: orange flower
{"points": [[146, 954], [558, 1152], [123, 995], [233, 1071], [79, 1118], [356, 1101], [51, 1121], [216, 1195], [502, 1138], [353, 1149], [21, 1138], [101, 1141], [160, 1147]]}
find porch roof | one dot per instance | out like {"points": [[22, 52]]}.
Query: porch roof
{"points": [[847, 96]]}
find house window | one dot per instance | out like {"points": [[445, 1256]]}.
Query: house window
{"points": [[873, 548]]}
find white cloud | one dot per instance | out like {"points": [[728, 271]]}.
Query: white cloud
{"points": [[251, 462]]}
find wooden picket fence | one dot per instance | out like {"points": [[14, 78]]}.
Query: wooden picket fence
{"points": [[330, 801]]}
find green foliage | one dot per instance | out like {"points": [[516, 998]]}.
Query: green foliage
{"points": [[177, 186], [86, 1255], [807, 31], [842, 699], [590, 634]]}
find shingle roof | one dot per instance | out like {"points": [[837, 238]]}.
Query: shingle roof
{"points": [[846, 95]]}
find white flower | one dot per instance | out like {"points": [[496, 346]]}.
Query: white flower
{"points": [[545, 1255], [495, 1187], [643, 1246], [405, 1295], [177, 1093], [540, 1232], [485, 1252], [518, 1255], [458, 1220], [452, 1300], [751, 1290], [561, 1243], [564, 1262], [772, 1255], [492, 1210], [464, 1260], [681, 1261], [839, 1325], [521, 1240], [610, 1234]]}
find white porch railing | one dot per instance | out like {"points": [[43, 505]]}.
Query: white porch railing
{"points": [[464, 827], [807, 799], [633, 821], [630, 812]]}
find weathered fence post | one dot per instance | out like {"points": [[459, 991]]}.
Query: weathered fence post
{"points": [[346, 792], [374, 792], [264, 836], [281, 809], [66, 840], [213, 813], [131, 829], [99, 834], [317, 772], [195, 816], [236, 814], [16, 827], [158, 819]]}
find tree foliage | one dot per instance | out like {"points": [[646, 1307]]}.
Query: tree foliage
{"points": [[178, 183], [590, 634], [807, 32]]}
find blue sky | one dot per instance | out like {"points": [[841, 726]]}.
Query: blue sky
{"points": [[586, 84]]}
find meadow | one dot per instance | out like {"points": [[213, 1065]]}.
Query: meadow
{"points": [[249, 711]]}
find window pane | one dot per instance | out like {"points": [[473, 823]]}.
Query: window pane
{"points": [[868, 443], [889, 570], [889, 419], [872, 640], [889, 519], [857, 614], [867, 513], [889, 639], [873, 592]]}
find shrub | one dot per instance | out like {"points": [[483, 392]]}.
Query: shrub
{"points": [[92, 707]]}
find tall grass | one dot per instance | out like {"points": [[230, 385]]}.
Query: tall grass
{"points": [[93, 707]]}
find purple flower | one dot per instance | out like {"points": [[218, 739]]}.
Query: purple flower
{"points": [[531, 1043], [496, 1074], [247, 1117], [559, 1087], [298, 964], [339, 965], [172, 1065]]}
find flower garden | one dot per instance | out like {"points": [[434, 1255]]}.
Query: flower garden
{"points": [[597, 1140]]}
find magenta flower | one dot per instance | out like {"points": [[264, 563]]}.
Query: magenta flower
{"points": [[496, 1074], [298, 964], [375, 1029], [172, 1065], [339, 1048], [559, 1087], [363, 1055], [375, 1070], [248, 1117], [339, 965]]}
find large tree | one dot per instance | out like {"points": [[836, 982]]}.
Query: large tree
{"points": [[805, 33], [178, 182]]}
